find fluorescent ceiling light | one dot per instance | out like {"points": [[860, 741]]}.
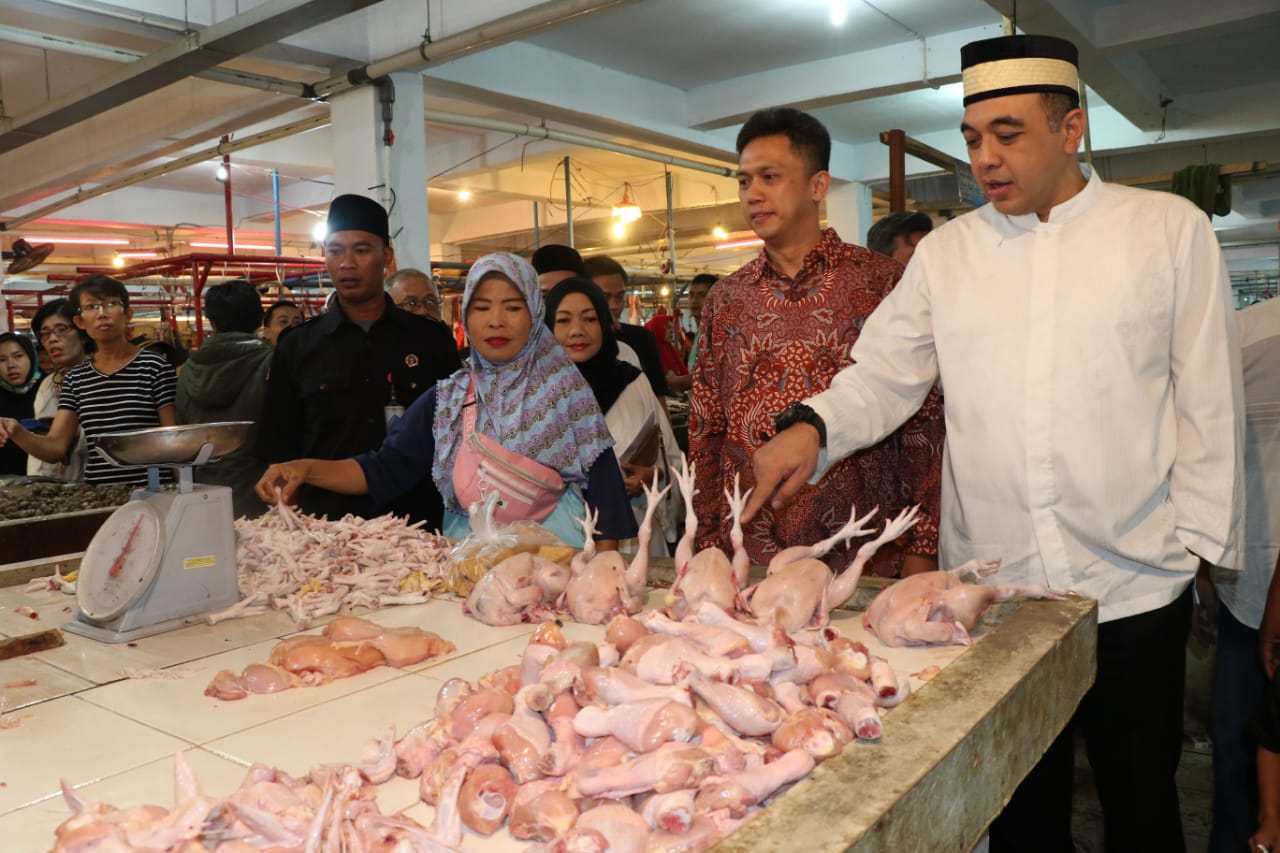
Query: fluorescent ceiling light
{"points": [[740, 244], [87, 241], [253, 247]]}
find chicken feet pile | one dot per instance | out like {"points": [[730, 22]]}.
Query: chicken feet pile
{"points": [[312, 567]]}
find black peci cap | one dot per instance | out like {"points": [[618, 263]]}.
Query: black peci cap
{"points": [[358, 213], [554, 256], [1013, 65]]}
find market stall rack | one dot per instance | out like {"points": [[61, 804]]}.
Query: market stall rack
{"points": [[176, 285]]}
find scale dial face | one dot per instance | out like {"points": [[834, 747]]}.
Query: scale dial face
{"points": [[121, 561]]}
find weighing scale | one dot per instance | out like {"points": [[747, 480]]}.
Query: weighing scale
{"points": [[167, 556]]}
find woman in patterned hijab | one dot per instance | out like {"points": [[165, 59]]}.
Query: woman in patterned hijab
{"points": [[528, 397], [535, 402]]}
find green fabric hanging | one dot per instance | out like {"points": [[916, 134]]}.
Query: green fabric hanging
{"points": [[1206, 186]]}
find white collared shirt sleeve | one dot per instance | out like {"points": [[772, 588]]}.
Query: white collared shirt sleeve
{"points": [[1206, 482], [895, 366]]}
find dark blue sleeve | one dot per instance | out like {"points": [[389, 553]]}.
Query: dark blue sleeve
{"points": [[405, 456], [607, 494]]}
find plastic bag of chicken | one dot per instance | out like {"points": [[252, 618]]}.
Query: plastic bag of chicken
{"points": [[490, 542]]}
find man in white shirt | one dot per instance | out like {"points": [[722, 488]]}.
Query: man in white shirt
{"points": [[1239, 681], [1084, 335]]}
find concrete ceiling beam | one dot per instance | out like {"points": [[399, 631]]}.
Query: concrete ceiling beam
{"points": [[1124, 80], [1143, 24], [190, 54], [902, 67], [551, 86]]}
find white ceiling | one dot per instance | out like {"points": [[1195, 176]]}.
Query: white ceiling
{"points": [[96, 91]]}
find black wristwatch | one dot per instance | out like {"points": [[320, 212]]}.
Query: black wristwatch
{"points": [[799, 413]]}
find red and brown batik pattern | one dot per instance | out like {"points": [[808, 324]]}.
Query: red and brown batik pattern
{"points": [[768, 341]]}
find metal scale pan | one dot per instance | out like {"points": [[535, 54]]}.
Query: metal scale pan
{"points": [[168, 555]]}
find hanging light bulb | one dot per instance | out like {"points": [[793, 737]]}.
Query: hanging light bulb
{"points": [[626, 210], [719, 233], [117, 262], [320, 231], [619, 229], [221, 174], [464, 195]]}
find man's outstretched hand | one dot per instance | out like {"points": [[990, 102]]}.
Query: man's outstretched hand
{"points": [[782, 466]]}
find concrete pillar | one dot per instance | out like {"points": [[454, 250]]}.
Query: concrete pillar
{"points": [[364, 165], [849, 211], [407, 174], [355, 128]]}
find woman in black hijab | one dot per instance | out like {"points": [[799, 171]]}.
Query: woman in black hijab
{"points": [[19, 378], [591, 344], [578, 315]]}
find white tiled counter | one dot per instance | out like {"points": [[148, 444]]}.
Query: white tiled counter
{"points": [[113, 738]]}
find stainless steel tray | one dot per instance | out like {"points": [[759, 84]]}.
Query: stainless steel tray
{"points": [[175, 445]]}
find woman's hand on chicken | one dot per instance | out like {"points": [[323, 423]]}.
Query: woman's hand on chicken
{"points": [[281, 481]]}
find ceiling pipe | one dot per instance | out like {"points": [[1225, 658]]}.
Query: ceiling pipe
{"points": [[110, 53], [491, 34], [539, 132], [484, 36], [132, 15], [204, 155], [190, 53]]}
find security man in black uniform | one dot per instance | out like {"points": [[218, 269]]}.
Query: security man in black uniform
{"points": [[339, 380]]}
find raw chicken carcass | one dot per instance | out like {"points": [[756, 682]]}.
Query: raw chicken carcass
{"points": [[603, 585], [599, 589], [708, 575], [348, 646], [938, 608], [408, 645], [518, 589], [637, 572], [801, 590], [317, 660]]}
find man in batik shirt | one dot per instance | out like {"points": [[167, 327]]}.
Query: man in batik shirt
{"points": [[774, 333]]}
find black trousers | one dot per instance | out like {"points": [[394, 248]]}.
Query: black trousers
{"points": [[1132, 724]]}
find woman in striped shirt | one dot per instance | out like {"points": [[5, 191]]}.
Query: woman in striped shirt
{"points": [[121, 387]]}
